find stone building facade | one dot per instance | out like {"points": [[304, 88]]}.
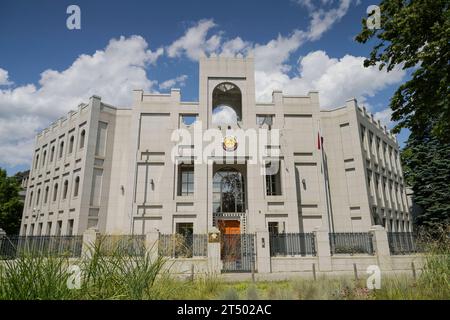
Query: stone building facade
{"points": [[177, 166]]}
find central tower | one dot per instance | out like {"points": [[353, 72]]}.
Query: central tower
{"points": [[227, 91]]}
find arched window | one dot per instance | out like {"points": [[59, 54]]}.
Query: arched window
{"points": [[226, 104], [61, 149], [44, 158], [52, 153], [46, 194], [76, 187], [228, 191], [30, 203], [36, 161], [65, 188], [55, 192], [71, 141], [82, 136]]}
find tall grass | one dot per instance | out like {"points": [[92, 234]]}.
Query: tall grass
{"points": [[114, 274], [433, 282], [111, 275], [34, 277]]}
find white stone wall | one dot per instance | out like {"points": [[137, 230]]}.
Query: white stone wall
{"points": [[355, 165], [128, 182]]}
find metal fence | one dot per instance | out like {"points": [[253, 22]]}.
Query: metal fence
{"points": [[12, 247], [351, 243], [183, 246], [238, 252], [292, 244], [131, 245], [403, 243]]}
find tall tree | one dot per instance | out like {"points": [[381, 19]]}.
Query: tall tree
{"points": [[414, 35], [11, 206], [427, 168]]}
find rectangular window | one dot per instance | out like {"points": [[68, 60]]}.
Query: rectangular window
{"points": [[273, 228], [369, 179], [375, 217], [186, 180], [70, 227], [185, 228], [370, 139], [273, 179], [363, 134], [39, 230], [49, 228], [31, 229], [58, 228], [264, 119]]}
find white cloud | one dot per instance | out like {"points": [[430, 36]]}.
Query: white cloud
{"points": [[385, 117], [233, 47], [322, 19], [4, 79], [113, 72], [168, 84], [110, 73], [194, 42], [336, 79], [224, 115], [272, 56]]}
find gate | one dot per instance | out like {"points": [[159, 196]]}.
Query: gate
{"points": [[238, 252]]}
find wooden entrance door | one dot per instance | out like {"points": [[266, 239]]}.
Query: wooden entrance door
{"points": [[229, 226]]}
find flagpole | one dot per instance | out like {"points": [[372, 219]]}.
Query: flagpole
{"points": [[320, 146]]}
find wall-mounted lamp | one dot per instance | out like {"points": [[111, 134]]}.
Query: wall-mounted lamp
{"points": [[152, 184], [122, 189], [304, 183]]}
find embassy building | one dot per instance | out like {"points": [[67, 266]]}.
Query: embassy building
{"points": [[226, 161]]}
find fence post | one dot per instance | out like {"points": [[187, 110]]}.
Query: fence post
{"points": [[2, 235], [152, 244], [381, 247], [263, 262], [89, 240], [323, 249], [214, 263]]}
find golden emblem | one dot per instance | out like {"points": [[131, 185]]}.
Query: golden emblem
{"points": [[229, 143]]}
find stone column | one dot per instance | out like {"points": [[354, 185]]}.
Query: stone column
{"points": [[89, 242], [381, 247], [152, 244], [322, 242], [263, 263], [214, 262]]}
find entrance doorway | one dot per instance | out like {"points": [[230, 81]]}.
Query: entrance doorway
{"points": [[237, 249], [229, 226]]}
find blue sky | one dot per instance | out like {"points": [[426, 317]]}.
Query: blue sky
{"points": [[299, 45]]}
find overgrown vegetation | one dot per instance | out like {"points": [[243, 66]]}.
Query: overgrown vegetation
{"points": [[118, 276], [426, 164], [414, 36], [11, 206]]}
